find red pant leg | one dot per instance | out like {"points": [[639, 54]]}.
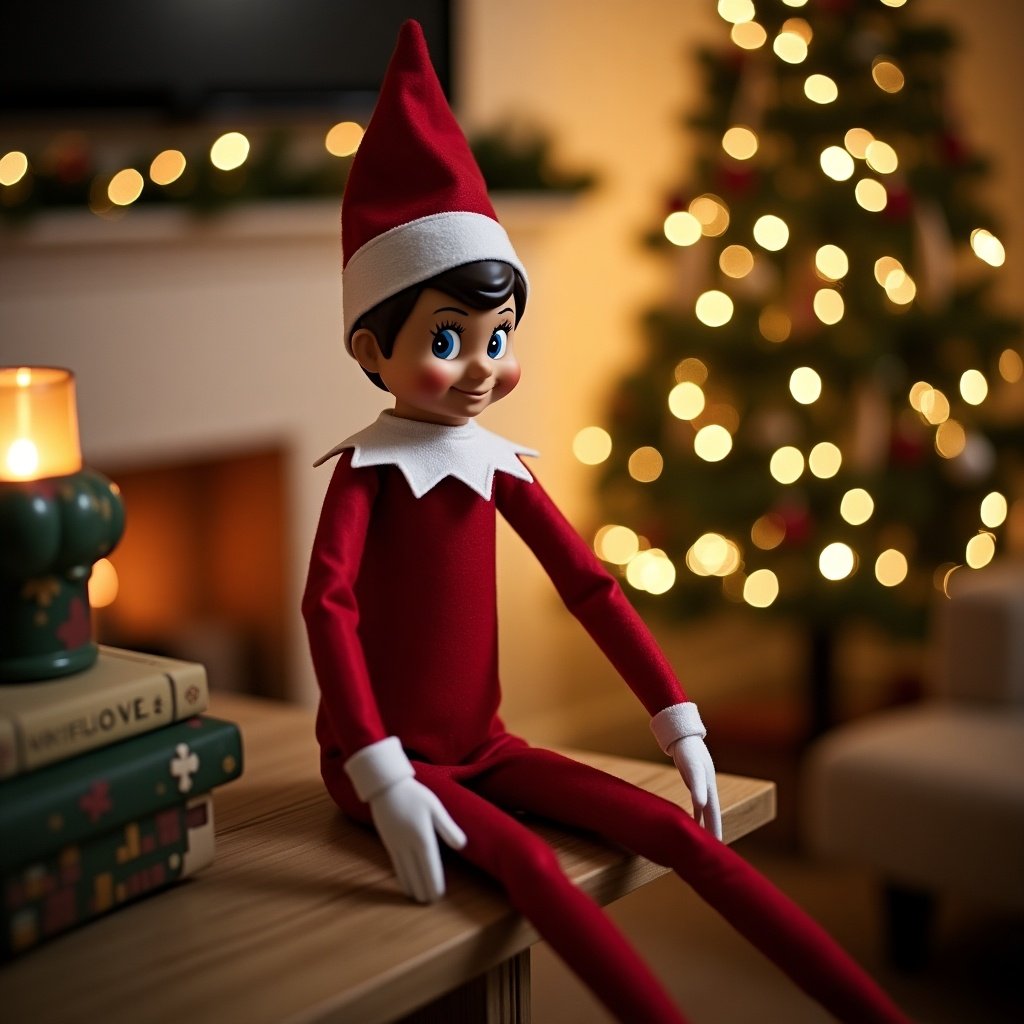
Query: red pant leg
{"points": [[565, 791], [574, 926]]}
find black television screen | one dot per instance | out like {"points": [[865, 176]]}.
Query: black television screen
{"points": [[195, 58]]}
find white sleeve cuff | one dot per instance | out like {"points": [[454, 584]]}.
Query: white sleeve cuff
{"points": [[377, 767], [676, 721]]}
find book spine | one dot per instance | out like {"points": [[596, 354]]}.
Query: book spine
{"points": [[68, 802], [83, 881], [100, 716]]}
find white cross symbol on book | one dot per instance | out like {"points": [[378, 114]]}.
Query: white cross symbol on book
{"points": [[184, 765]]}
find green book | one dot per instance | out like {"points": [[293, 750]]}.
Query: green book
{"points": [[45, 897], [68, 802]]}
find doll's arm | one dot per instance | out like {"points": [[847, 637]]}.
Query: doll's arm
{"points": [[596, 599], [408, 816]]}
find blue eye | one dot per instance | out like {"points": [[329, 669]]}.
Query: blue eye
{"points": [[498, 344], [446, 344]]}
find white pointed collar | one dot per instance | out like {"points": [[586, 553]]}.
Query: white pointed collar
{"points": [[426, 453]]}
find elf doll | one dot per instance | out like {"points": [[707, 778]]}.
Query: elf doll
{"points": [[400, 602]]}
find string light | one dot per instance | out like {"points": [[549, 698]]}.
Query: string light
{"points": [[824, 460], [871, 195], [805, 385], [987, 247], [774, 324], [714, 308], [343, 138], [616, 544], [691, 369], [13, 167], [740, 142], [887, 75], [799, 27], [885, 267], [592, 445], [980, 551], [768, 531], [682, 228], [736, 261], [686, 400], [786, 464], [934, 406], [891, 568], [820, 89], [652, 571], [881, 157], [917, 392], [856, 141], [856, 506], [836, 561], [712, 213], [789, 47], [831, 263], [125, 187], [993, 510], [771, 232], [761, 588], [167, 167], [713, 555], [837, 163], [646, 464], [950, 439], [712, 443], [736, 11], [828, 306], [973, 387], [229, 151], [900, 288], [749, 35], [1011, 366]]}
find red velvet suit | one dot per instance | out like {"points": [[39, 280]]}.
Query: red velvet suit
{"points": [[400, 607]]}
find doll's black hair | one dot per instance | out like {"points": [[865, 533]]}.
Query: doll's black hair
{"points": [[481, 285]]}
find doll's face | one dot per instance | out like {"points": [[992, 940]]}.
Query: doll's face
{"points": [[449, 361]]}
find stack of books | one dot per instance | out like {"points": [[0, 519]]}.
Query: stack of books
{"points": [[105, 782]]}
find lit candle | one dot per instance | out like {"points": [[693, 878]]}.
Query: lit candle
{"points": [[38, 423]]}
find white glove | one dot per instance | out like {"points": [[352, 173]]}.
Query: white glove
{"points": [[680, 734], [409, 817]]}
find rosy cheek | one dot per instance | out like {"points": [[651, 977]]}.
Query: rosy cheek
{"points": [[433, 380], [508, 378]]}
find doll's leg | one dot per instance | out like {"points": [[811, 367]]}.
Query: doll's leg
{"points": [[574, 926], [565, 791]]}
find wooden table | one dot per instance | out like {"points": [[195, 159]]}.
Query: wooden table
{"points": [[299, 919]]}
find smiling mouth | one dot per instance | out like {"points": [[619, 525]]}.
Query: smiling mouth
{"points": [[473, 394]]}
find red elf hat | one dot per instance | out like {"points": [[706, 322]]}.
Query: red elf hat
{"points": [[415, 203]]}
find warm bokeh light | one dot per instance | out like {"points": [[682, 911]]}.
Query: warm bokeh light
{"points": [[682, 228], [786, 464], [836, 561], [712, 213], [1011, 365], [740, 142], [13, 167], [736, 261], [343, 138], [881, 157], [828, 306], [856, 506], [934, 405], [652, 571], [805, 385], [871, 195], [749, 35], [837, 163], [993, 510], [167, 167], [856, 141], [900, 288], [987, 247], [691, 369], [768, 531], [981, 549], [761, 588], [917, 392], [831, 263], [891, 567], [736, 11], [714, 308], [103, 584], [973, 387], [616, 544], [646, 464], [771, 232], [950, 439], [712, 443], [230, 151], [820, 89], [790, 47], [713, 555], [686, 400], [885, 267], [125, 187], [774, 324], [824, 460], [887, 75], [592, 445], [894, 3]]}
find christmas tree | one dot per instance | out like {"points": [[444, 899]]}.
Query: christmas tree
{"points": [[826, 421]]}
